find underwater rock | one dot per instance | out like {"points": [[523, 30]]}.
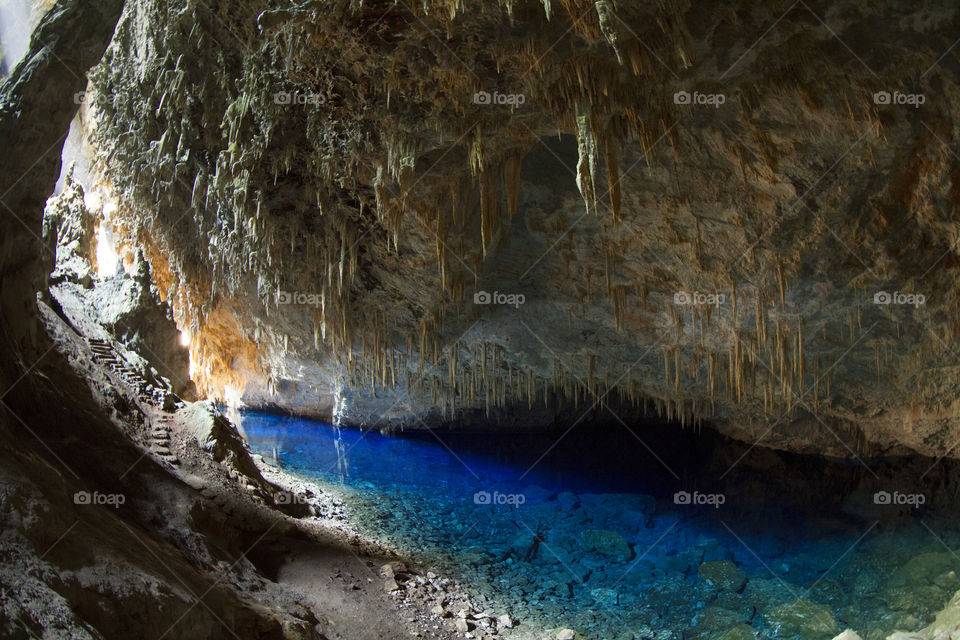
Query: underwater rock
{"points": [[920, 587], [608, 597], [848, 634], [639, 572], [926, 568], [713, 620], [944, 626], [713, 550], [803, 619], [609, 544], [568, 501], [828, 591], [916, 604], [524, 546], [764, 593], [739, 632], [475, 556], [736, 602], [566, 634], [722, 574], [683, 561]]}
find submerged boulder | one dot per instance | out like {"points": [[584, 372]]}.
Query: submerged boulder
{"points": [[722, 574], [802, 619], [739, 632], [715, 622], [609, 544], [944, 627], [924, 569], [921, 587], [607, 597]]}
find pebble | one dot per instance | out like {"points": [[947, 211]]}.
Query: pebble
{"points": [[566, 634]]}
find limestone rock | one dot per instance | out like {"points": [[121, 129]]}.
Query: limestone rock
{"points": [[714, 622], [319, 309], [607, 597], [722, 574], [739, 632], [392, 569], [944, 626], [803, 619], [609, 544]]}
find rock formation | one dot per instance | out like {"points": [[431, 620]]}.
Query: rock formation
{"points": [[513, 214], [438, 213]]}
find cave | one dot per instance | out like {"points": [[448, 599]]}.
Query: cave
{"points": [[477, 319]]}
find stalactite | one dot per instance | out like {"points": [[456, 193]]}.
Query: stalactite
{"points": [[799, 359], [489, 214], [613, 176], [512, 166], [676, 371], [781, 285], [587, 163]]}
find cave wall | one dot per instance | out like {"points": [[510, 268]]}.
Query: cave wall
{"points": [[72, 567], [704, 209]]}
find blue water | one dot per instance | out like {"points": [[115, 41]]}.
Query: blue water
{"points": [[588, 530]]}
